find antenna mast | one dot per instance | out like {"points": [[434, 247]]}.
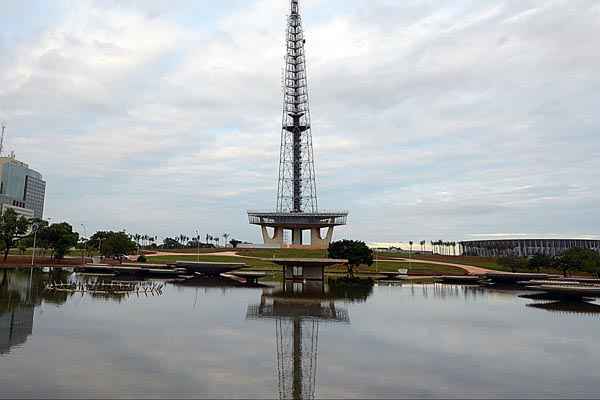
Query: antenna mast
{"points": [[2, 138]]}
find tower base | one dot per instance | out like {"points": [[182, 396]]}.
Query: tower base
{"points": [[297, 223]]}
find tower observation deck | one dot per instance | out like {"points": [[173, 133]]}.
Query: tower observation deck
{"points": [[297, 204]]}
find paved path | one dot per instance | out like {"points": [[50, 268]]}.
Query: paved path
{"points": [[469, 268]]}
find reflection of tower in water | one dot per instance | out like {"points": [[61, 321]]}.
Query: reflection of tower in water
{"points": [[298, 310]]}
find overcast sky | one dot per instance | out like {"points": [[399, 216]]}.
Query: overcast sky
{"points": [[431, 119]]}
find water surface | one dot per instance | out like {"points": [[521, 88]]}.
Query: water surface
{"points": [[204, 340]]}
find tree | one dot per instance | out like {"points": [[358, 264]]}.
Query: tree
{"points": [[226, 236], [513, 263], [234, 243], [113, 243], [60, 237], [579, 259], [12, 228], [538, 261], [170, 243], [22, 247], [355, 252]]}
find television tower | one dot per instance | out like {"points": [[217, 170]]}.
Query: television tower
{"points": [[296, 189], [297, 204]]}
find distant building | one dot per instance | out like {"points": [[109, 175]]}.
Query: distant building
{"points": [[21, 188], [524, 247]]}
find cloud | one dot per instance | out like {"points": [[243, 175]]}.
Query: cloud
{"points": [[430, 119]]}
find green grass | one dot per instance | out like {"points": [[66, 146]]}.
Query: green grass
{"points": [[413, 269], [282, 253], [253, 263], [190, 250], [483, 262], [265, 265]]}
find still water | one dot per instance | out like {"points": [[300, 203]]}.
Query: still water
{"points": [[213, 340]]}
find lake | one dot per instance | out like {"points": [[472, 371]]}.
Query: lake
{"points": [[214, 339]]}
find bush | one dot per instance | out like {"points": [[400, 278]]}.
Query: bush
{"points": [[512, 263], [577, 259], [354, 251], [539, 261], [142, 259]]}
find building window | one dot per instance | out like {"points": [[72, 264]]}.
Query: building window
{"points": [[297, 271], [298, 287]]}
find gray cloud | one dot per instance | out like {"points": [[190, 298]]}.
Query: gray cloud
{"points": [[439, 119]]}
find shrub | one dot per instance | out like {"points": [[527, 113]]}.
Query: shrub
{"points": [[512, 263], [142, 259]]}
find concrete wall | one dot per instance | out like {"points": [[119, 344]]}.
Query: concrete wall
{"points": [[310, 273], [525, 247]]}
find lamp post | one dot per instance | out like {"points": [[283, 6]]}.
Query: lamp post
{"points": [[85, 246], [34, 228], [410, 255], [198, 243], [100, 244]]}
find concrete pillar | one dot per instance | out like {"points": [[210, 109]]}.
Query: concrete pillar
{"points": [[276, 240], [318, 242], [297, 236]]}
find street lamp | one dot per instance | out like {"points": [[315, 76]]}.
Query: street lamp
{"points": [[85, 246], [34, 228], [198, 240]]}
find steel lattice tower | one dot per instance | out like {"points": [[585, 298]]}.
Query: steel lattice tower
{"points": [[296, 189], [297, 206]]}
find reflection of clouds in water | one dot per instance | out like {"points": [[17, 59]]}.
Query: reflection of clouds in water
{"points": [[399, 343]]}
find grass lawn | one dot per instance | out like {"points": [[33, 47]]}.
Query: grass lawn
{"points": [[483, 262], [254, 264], [282, 253], [265, 265], [189, 250], [413, 269]]}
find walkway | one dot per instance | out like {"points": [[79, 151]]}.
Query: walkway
{"points": [[469, 268]]}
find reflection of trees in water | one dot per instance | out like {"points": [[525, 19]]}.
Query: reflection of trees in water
{"points": [[351, 289], [18, 287], [443, 291], [569, 307]]}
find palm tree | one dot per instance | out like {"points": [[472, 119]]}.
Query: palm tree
{"points": [[422, 243], [411, 245], [432, 247], [226, 236]]}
